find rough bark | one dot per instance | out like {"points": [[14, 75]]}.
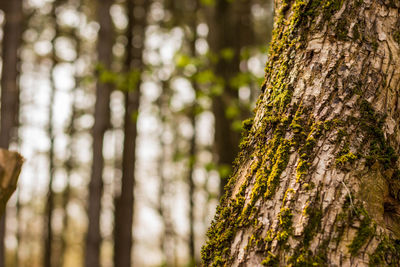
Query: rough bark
{"points": [[102, 121], [9, 86], [229, 29], [317, 179], [124, 205]]}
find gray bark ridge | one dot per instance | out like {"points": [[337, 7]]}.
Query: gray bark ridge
{"points": [[317, 179]]}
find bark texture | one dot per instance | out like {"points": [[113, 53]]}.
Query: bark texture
{"points": [[317, 181]]}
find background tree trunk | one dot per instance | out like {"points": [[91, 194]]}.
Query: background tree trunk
{"points": [[230, 30], [102, 121], [317, 180], [9, 86], [124, 205], [49, 208]]}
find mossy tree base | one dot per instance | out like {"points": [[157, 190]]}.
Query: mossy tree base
{"points": [[317, 182]]}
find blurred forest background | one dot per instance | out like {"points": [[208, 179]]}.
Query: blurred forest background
{"points": [[128, 113]]}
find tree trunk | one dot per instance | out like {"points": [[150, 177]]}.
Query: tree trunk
{"points": [[9, 86], [229, 32], [193, 261], [102, 121], [168, 236], [137, 17], [49, 207], [317, 179]]}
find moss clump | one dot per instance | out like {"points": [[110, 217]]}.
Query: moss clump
{"points": [[305, 258], [282, 237], [348, 157], [387, 253], [285, 223], [271, 260], [379, 149], [364, 232], [285, 218], [314, 223], [345, 156], [342, 29], [282, 158], [302, 256], [302, 168], [330, 7], [246, 132], [396, 36], [247, 124], [356, 32], [306, 148]]}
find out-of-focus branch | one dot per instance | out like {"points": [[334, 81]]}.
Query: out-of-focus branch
{"points": [[10, 168]]}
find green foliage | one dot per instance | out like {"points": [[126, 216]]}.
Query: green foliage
{"points": [[204, 77], [182, 60], [227, 54], [232, 111], [207, 2], [224, 170], [134, 116], [126, 81]]}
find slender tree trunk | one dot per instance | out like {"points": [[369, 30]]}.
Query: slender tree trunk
{"points": [[9, 86], [18, 234], [48, 230], [70, 163], [192, 189], [229, 32], [193, 147], [168, 239], [317, 179], [102, 118], [133, 66]]}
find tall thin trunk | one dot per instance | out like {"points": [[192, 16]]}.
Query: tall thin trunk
{"points": [[48, 230], [133, 66], [168, 236], [9, 86], [102, 120], [229, 31], [70, 163], [317, 181], [192, 190], [192, 149], [18, 234]]}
